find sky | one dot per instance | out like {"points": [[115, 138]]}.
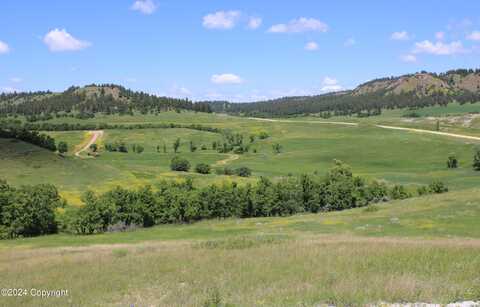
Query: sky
{"points": [[235, 50]]}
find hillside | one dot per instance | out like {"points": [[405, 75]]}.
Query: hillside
{"points": [[409, 91], [424, 84], [85, 102]]}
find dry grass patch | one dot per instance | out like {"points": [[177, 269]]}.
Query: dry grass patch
{"points": [[260, 270]]}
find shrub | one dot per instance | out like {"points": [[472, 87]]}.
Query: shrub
{"points": [[179, 164], [452, 161], [476, 160], [376, 192], [28, 211], [243, 172], [277, 148], [62, 147], [202, 168], [263, 135], [438, 187], [423, 190], [138, 148], [399, 192]]}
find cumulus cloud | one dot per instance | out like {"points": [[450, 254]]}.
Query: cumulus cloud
{"points": [[4, 48], [311, 46], [408, 58], [439, 48], [400, 36], [221, 20], [474, 36], [60, 40], [226, 79], [330, 85], [299, 25], [146, 7], [254, 23], [350, 42]]}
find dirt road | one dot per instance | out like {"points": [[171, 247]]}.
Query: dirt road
{"points": [[461, 136], [455, 135], [231, 158], [301, 121], [95, 135]]}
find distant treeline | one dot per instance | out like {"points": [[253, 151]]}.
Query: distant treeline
{"points": [[76, 100], [15, 124], [30, 211], [341, 104]]}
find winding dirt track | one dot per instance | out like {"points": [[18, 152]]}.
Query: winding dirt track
{"points": [[461, 136], [301, 121], [455, 135], [232, 157], [95, 136]]}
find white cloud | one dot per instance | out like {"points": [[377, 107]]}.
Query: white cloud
{"points": [[330, 85], [299, 25], [254, 23], [60, 40], [474, 36], [408, 58], [439, 48], [440, 36], [16, 79], [4, 48], [400, 36], [311, 46], [221, 20], [226, 79], [146, 7], [349, 42]]}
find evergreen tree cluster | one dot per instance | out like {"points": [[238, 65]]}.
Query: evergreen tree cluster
{"points": [[343, 104], [77, 103]]}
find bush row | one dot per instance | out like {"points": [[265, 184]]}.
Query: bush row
{"points": [[31, 210], [175, 202]]}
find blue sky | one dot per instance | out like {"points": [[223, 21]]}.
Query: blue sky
{"points": [[236, 50]]}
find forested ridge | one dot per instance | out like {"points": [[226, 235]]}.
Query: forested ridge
{"points": [[408, 91], [85, 102]]}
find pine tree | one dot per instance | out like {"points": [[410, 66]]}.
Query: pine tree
{"points": [[476, 160]]}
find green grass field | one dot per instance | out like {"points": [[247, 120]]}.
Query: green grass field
{"points": [[395, 156], [421, 249]]}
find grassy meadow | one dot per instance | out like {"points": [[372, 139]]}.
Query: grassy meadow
{"points": [[393, 156], [424, 249]]}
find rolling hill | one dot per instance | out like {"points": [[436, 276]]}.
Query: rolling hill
{"points": [[84, 102], [408, 91]]}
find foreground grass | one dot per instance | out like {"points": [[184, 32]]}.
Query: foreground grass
{"points": [[425, 249], [338, 270]]}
